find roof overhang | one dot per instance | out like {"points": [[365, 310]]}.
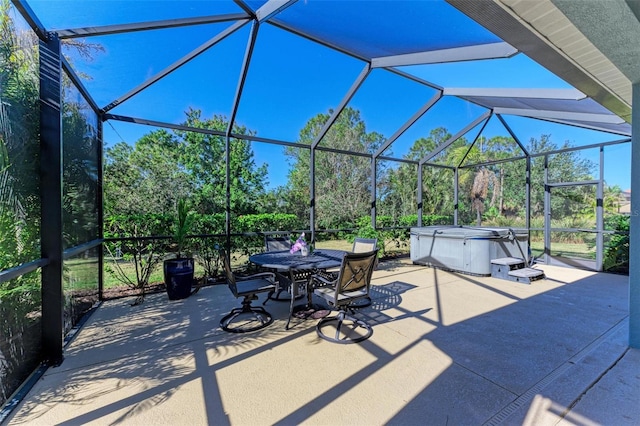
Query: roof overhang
{"points": [[565, 106], [562, 36]]}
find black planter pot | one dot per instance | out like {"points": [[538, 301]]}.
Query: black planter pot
{"points": [[178, 277]]}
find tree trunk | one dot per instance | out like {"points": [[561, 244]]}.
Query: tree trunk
{"points": [[501, 192]]}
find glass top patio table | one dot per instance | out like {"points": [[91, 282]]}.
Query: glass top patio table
{"points": [[284, 260], [294, 271]]}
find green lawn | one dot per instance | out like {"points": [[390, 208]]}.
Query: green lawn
{"points": [[575, 250]]}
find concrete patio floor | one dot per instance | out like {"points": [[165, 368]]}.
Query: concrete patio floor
{"points": [[447, 349]]}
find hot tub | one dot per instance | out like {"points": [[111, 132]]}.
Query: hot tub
{"points": [[466, 249]]}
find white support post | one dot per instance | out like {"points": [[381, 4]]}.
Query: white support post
{"points": [[634, 228]]}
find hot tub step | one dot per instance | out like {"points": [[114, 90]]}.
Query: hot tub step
{"points": [[513, 269], [501, 267], [513, 262], [526, 275]]}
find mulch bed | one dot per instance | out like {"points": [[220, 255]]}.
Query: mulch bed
{"points": [[157, 287], [123, 291]]}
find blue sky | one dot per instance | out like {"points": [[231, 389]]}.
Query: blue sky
{"points": [[290, 80]]}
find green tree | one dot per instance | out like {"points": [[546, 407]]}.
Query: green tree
{"points": [[612, 199], [562, 167], [19, 122], [144, 253], [398, 195], [20, 298], [19, 147], [144, 178], [203, 158], [80, 175], [343, 182], [164, 166], [482, 187]]}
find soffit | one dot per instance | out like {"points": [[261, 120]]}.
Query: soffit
{"points": [[544, 33], [597, 19]]}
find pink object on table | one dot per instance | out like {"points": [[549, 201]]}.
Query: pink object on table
{"points": [[297, 246]]}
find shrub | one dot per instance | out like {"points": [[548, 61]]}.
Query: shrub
{"points": [[137, 247], [205, 246], [616, 256]]}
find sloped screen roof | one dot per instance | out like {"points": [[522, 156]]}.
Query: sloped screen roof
{"points": [[382, 28], [182, 54]]}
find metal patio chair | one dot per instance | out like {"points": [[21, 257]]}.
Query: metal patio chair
{"points": [[277, 243], [351, 285], [360, 245], [248, 288]]}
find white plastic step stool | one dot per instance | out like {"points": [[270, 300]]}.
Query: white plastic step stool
{"points": [[513, 269]]}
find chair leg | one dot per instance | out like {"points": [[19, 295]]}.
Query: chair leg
{"points": [[263, 317], [286, 327], [339, 321], [294, 289], [277, 297], [269, 297], [362, 303]]}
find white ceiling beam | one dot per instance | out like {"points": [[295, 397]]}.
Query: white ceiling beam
{"points": [[561, 115], [561, 94], [624, 130], [271, 8], [458, 54]]}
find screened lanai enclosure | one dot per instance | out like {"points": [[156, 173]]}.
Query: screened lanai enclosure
{"points": [[333, 118]]}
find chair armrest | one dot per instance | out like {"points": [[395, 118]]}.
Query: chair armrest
{"points": [[322, 281], [258, 275], [328, 274]]}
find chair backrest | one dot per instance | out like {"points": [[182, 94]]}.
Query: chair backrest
{"points": [[231, 279], [361, 245], [355, 273], [277, 243]]}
